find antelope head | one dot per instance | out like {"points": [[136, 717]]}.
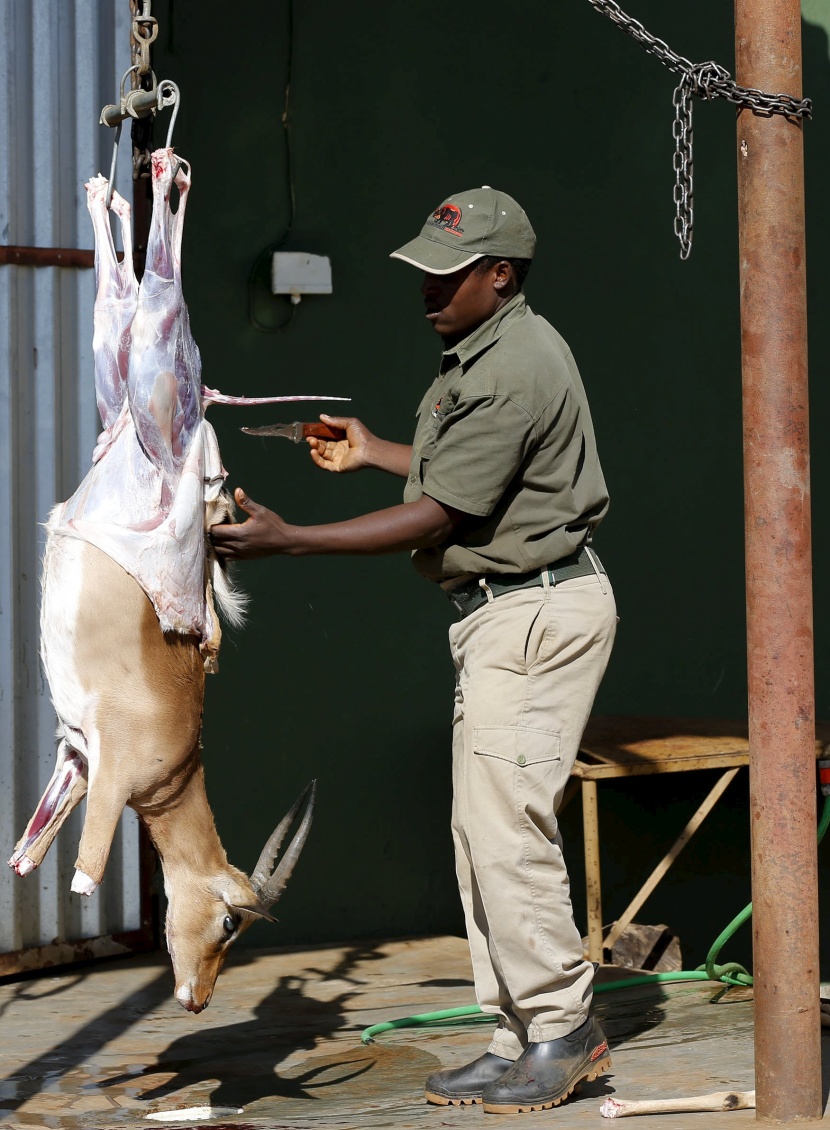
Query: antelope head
{"points": [[208, 909]]}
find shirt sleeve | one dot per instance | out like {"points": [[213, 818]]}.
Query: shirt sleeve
{"points": [[478, 449]]}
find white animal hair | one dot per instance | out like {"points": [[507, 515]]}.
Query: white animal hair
{"points": [[231, 601]]}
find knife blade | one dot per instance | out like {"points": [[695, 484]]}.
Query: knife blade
{"points": [[298, 431]]}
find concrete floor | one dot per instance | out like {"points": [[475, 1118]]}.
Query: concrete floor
{"points": [[107, 1046]]}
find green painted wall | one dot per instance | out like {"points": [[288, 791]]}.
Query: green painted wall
{"points": [[342, 672]]}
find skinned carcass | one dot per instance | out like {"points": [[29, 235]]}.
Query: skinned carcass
{"points": [[128, 620]]}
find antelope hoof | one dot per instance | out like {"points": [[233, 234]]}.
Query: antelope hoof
{"points": [[22, 865], [82, 884]]}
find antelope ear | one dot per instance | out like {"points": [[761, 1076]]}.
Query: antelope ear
{"points": [[256, 908]]}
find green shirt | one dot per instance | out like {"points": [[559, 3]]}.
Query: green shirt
{"points": [[504, 434]]}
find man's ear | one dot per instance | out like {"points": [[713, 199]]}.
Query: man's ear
{"points": [[502, 275]]}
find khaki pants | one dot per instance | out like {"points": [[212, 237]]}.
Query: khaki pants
{"points": [[528, 665]]}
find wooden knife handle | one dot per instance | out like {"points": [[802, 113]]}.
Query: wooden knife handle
{"points": [[323, 431]]}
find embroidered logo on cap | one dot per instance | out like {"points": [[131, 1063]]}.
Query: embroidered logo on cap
{"points": [[448, 217]]}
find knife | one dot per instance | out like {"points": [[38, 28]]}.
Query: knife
{"points": [[298, 431]]}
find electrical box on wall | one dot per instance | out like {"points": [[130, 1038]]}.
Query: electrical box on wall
{"points": [[298, 273]]}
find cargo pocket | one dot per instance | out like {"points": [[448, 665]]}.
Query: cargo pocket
{"points": [[519, 745]]}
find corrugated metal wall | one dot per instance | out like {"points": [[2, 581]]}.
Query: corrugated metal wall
{"points": [[59, 64]]}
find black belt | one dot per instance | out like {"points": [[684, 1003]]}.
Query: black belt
{"points": [[470, 595]]}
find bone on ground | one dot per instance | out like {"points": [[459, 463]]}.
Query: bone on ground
{"points": [[719, 1100]]}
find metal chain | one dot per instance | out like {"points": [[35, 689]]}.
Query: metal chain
{"points": [[143, 34], [706, 80]]}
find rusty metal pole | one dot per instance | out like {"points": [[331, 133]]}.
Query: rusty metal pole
{"points": [[778, 571]]}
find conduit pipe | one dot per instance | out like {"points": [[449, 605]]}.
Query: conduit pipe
{"points": [[778, 570]]}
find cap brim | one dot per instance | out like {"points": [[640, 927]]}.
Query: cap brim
{"points": [[435, 258]]}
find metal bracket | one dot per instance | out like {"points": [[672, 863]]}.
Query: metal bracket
{"points": [[138, 103]]}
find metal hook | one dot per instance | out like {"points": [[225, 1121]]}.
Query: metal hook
{"points": [[169, 95], [128, 71], [137, 103], [111, 184]]}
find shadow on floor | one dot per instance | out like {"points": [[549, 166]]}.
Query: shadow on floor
{"points": [[99, 1031], [243, 1057]]}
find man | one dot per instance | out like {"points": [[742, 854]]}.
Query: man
{"points": [[503, 492]]}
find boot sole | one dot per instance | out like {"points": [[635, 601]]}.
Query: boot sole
{"points": [[445, 1100], [593, 1072]]}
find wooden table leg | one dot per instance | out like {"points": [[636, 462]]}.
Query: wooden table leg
{"points": [[590, 830], [671, 855]]}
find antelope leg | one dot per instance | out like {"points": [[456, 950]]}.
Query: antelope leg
{"points": [[65, 789], [105, 803]]}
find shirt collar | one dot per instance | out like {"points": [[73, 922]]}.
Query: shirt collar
{"points": [[488, 332]]}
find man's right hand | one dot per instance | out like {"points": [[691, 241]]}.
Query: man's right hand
{"points": [[359, 449], [349, 454]]}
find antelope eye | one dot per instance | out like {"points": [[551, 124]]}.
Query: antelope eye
{"points": [[228, 924]]}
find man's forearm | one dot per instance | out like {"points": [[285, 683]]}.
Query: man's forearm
{"points": [[414, 525], [384, 455]]}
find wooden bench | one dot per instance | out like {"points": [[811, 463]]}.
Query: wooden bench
{"points": [[634, 747]]}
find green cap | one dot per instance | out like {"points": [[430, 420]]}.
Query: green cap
{"points": [[468, 226]]}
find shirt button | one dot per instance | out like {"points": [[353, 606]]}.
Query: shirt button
{"points": [[521, 759], [413, 479]]}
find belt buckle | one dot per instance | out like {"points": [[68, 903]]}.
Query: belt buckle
{"points": [[457, 605], [461, 599], [465, 600]]}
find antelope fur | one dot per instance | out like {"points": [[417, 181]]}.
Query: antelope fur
{"points": [[129, 700]]}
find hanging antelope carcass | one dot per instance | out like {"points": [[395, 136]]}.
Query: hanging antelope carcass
{"points": [[128, 621]]}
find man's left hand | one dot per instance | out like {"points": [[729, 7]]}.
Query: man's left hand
{"points": [[263, 534]]}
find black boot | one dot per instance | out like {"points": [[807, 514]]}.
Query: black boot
{"points": [[464, 1085], [546, 1073]]}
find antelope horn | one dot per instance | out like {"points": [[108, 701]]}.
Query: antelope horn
{"points": [[270, 886]]}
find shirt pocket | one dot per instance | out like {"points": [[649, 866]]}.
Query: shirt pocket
{"points": [[519, 745], [426, 400], [425, 441], [432, 429], [443, 407]]}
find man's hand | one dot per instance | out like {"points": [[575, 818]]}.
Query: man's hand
{"points": [[359, 449], [263, 534], [349, 454]]}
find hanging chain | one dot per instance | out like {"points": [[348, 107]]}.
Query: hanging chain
{"points": [[706, 80], [143, 32]]}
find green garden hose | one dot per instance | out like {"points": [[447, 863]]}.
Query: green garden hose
{"points": [[729, 974]]}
